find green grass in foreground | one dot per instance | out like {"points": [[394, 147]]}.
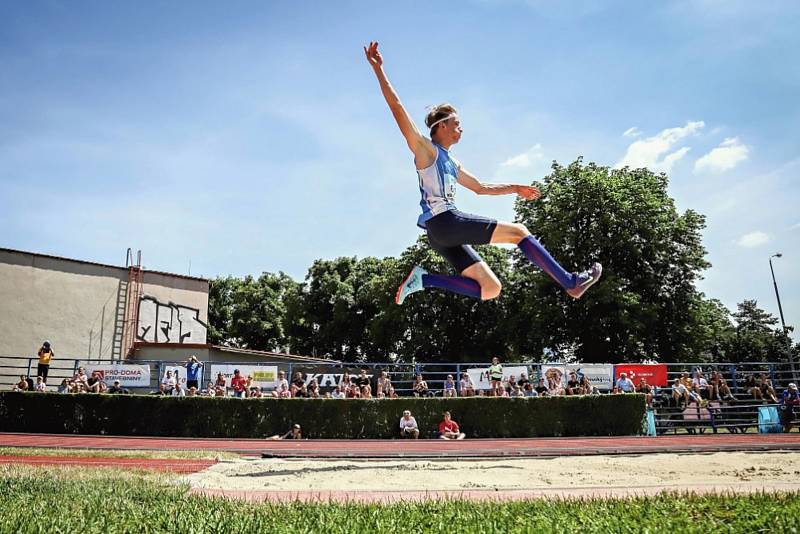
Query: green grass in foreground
{"points": [[115, 453], [70, 500]]}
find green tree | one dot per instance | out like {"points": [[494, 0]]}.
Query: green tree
{"points": [[756, 338], [646, 304]]}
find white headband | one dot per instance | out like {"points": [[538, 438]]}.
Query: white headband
{"points": [[446, 117]]}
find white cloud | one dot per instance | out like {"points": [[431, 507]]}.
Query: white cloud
{"points": [[526, 159], [726, 156], [632, 132], [753, 239], [655, 152]]}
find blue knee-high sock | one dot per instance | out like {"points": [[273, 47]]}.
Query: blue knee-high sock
{"points": [[457, 284], [537, 254]]}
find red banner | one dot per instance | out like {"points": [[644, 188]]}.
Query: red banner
{"points": [[655, 374]]}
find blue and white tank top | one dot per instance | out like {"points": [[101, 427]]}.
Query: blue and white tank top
{"points": [[437, 185]]}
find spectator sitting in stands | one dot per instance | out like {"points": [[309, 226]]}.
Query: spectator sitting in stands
{"points": [[255, 392], [587, 387], [117, 389], [523, 380], [508, 384], [363, 379], [790, 400], [646, 389], [162, 390], [465, 386], [420, 388], [346, 383], [354, 392], [80, 376], [448, 429], [366, 391], [40, 385], [516, 391], [282, 391], [238, 384], [192, 392], [294, 433], [682, 395], [298, 385], [542, 389], [93, 383], [625, 384], [449, 390], [767, 391], [383, 382], [408, 426], [313, 389], [573, 385], [390, 393], [22, 385], [719, 387], [178, 390], [529, 391], [220, 383], [65, 387], [169, 382], [338, 393], [751, 387], [700, 385]]}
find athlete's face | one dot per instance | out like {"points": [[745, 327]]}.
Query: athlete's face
{"points": [[451, 131]]}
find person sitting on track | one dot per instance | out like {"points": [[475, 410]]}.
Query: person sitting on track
{"points": [[450, 231], [408, 426], [294, 433], [448, 429]]}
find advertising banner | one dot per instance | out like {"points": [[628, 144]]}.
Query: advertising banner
{"points": [[655, 374], [480, 376], [264, 376], [128, 375], [600, 375], [328, 377]]}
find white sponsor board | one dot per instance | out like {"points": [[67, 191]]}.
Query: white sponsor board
{"points": [[265, 376], [128, 375], [179, 371], [600, 375], [480, 377]]}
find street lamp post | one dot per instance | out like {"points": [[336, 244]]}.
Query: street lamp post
{"points": [[780, 311]]}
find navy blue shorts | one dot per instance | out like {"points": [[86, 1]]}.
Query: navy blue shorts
{"points": [[450, 233]]}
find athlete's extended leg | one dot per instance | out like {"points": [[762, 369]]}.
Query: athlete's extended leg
{"points": [[575, 284], [476, 281]]}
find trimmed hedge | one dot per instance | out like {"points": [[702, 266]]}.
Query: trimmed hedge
{"points": [[479, 417]]}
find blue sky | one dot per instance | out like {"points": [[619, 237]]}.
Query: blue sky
{"points": [[251, 136]]}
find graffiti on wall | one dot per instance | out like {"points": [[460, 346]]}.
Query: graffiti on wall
{"points": [[169, 323]]}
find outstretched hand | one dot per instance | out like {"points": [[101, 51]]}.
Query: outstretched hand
{"points": [[528, 192], [373, 56]]}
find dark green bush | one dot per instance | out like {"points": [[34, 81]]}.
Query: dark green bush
{"points": [[126, 415]]}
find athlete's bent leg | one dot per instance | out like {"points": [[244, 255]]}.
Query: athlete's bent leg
{"points": [[574, 283], [480, 272]]}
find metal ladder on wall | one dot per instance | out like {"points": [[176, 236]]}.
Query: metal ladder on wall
{"points": [[133, 292]]}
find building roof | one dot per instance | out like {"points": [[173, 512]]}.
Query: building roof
{"points": [[37, 254], [235, 350]]}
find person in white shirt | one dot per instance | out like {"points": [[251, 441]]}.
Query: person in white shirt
{"points": [[466, 387], [700, 384], [625, 384], [169, 382], [338, 393], [178, 390], [408, 426]]}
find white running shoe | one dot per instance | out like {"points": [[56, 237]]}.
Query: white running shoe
{"points": [[586, 279], [411, 284]]}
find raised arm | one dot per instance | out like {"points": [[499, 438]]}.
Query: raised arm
{"points": [[424, 152], [469, 181]]}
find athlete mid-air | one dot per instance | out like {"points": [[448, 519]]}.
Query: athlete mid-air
{"points": [[451, 232]]}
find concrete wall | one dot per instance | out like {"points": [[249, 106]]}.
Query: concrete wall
{"points": [[79, 306]]}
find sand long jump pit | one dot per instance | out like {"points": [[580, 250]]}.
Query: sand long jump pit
{"points": [[372, 480]]}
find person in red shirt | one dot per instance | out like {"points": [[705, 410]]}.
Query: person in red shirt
{"points": [[448, 429], [239, 384]]}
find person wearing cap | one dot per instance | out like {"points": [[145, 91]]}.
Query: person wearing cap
{"points": [[116, 388], [790, 400], [408, 426], [294, 433], [450, 231], [45, 355]]}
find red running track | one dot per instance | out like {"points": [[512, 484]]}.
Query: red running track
{"points": [[173, 465], [476, 448]]}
